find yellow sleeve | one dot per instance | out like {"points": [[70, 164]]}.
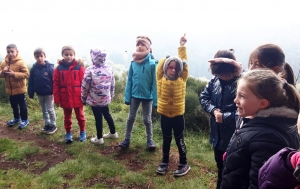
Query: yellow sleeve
{"points": [[160, 69], [182, 53]]}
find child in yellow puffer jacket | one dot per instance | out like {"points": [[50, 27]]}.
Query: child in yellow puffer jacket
{"points": [[171, 75]]}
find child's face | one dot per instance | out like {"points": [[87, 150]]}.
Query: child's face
{"points": [[246, 102], [171, 69], [225, 77], [140, 47], [12, 53], [68, 55], [40, 58], [254, 63]]}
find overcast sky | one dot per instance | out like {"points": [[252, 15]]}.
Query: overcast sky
{"points": [[52, 24]]}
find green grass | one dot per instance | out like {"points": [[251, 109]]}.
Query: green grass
{"points": [[90, 168]]}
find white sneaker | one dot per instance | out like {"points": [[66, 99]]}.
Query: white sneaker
{"points": [[108, 135], [97, 141]]}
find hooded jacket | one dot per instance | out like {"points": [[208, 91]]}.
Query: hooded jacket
{"points": [[98, 85], [171, 93], [41, 79], [277, 172], [141, 81], [67, 81], [259, 138], [16, 84], [215, 96]]}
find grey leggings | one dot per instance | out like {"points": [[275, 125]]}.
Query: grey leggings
{"points": [[147, 110]]}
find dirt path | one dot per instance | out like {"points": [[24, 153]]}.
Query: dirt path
{"points": [[56, 153]]}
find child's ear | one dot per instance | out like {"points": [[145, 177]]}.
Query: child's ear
{"points": [[264, 104], [276, 69]]}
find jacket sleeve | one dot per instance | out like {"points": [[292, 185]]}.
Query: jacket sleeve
{"points": [[56, 82], [183, 56], [229, 117], [160, 70], [154, 88], [112, 87], [127, 95], [1, 68], [205, 98], [23, 72], [31, 84], [85, 85]]}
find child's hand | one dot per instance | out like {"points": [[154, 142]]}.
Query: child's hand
{"points": [[297, 172], [218, 115], [10, 73], [6, 69], [182, 41]]}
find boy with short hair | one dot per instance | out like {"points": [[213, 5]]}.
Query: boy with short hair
{"points": [[15, 72], [40, 81]]}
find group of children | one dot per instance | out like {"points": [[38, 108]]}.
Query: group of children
{"points": [[253, 120], [253, 114]]}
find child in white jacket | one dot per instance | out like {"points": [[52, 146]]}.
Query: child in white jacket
{"points": [[97, 90]]}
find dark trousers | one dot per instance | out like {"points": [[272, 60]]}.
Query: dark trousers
{"points": [[98, 112], [177, 125], [19, 106], [219, 161]]}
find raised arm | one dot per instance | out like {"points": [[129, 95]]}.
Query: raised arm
{"points": [[183, 56]]}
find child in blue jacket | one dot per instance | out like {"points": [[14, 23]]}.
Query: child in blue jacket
{"points": [[141, 88]]}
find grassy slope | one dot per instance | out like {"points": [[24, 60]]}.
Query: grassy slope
{"points": [[89, 168]]}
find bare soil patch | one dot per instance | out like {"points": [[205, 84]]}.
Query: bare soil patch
{"points": [[36, 163]]}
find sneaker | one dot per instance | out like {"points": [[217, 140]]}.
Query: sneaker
{"points": [[23, 124], [45, 128], [82, 136], [162, 168], [125, 143], [69, 137], [50, 129], [13, 122], [97, 141], [183, 169], [109, 135], [150, 145]]}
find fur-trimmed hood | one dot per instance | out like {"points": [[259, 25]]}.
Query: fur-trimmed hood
{"points": [[278, 112], [178, 61], [79, 61]]}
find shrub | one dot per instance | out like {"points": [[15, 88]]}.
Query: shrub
{"points": [[3, 96], [195, 117]]}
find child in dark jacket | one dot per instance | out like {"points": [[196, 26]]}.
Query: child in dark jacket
{"points": [[67, 82], [40, 81], [217, 100], [269, 107], [281, 171]]}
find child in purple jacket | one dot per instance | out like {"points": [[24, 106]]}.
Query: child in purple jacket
{"points": [[281, 171]]}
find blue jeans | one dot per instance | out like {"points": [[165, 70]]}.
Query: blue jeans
{"points": [[147, 110], [47, 106]]}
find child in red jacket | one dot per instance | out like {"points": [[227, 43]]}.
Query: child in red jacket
{"points": [[67, 81]]}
